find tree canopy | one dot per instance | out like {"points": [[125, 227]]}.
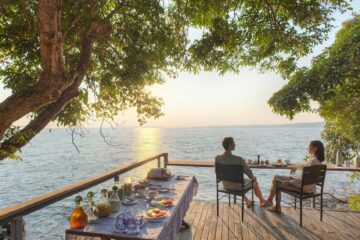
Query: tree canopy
{"points": [[333, 80], [65, 60]]}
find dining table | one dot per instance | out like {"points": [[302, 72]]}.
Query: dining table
{"points": [[181, 190]]}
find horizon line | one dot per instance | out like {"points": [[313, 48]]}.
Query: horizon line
{"points": [[210, 126]]}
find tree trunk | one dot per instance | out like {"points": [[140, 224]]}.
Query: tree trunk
{"points": [[13, 144], [52, 79]]}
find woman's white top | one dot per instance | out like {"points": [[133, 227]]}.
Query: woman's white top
{"points": [[297, 181]]}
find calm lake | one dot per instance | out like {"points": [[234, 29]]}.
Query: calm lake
{"points": [[51, 161]]}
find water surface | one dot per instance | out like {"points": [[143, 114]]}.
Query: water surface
{"points": [[51, 161]]}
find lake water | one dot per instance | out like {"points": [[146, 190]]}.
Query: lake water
{"points": [[51, 161]]}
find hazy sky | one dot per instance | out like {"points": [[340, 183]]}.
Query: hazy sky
{"points": [[208, 99]]}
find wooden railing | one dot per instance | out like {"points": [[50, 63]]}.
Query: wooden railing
{"points": [[15, 213], [192, 163]]}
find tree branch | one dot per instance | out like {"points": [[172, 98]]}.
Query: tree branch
{"points": [[53, 79], [71, 25], [97, 30], [103, 135]]}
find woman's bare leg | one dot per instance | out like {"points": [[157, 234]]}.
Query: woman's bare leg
{"points": [[269, 201], [277, 207], [271, 197]]}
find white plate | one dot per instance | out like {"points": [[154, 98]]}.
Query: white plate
{"points": [[150, 219], [131, 202], [163, 190], [155, 203]]}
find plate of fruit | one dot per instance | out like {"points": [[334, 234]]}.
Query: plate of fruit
{"points": [[155, 214], [163, 202]]}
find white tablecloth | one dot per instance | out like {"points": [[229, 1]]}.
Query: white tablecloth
{"points": [[166, 229]]}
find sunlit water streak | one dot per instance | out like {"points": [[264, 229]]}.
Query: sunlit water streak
{"points": [[51, 161]]}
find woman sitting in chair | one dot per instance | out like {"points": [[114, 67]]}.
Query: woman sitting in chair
{"points": [[316, 151], [228, 158]]}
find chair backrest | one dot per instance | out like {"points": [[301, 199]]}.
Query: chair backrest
{"points": [[314, 175], [231, 173]]}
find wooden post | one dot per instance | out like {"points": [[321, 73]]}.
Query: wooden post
{"points": [[166, 159], [158, 162], [116, 179], [16, 229]]}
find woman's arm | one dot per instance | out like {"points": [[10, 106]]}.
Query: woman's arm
{"points": [[296, 167]]}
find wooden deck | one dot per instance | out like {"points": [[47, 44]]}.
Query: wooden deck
{"points": [[263, 224]]}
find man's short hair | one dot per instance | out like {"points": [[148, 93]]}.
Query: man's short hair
{"points": [[226, 143]]}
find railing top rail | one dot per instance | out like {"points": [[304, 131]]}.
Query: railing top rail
{"points": [[28, 206], [197, 163]]}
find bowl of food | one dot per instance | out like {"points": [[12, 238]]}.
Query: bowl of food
{"points": [[155, 214], [163, 202]]}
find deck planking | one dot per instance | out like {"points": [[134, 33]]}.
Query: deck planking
{"points": [[262, 224]]}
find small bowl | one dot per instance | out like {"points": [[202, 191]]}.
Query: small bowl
{"points": [[141, 192], [152, 194]]}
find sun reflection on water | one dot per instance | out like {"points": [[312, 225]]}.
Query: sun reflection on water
{"points": [[147, 145]]}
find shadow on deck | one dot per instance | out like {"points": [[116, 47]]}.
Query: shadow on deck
{"points": [[263, 224]]}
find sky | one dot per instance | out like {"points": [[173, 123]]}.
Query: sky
{"points": [[208, 99]]}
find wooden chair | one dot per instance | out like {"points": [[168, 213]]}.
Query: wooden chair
{"points": [[231, 173], [311, 175]]}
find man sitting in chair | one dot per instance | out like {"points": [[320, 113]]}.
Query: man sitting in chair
{"points": [[228, 158]]}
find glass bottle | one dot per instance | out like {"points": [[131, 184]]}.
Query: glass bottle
{"points": [[104, 205], [115, 200], [90, 208], [78, 218], [127, 186], [118, 183]]}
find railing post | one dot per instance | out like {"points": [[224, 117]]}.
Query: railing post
{"points": [[166, 159], [16, 229], [158, 162], [116, 178]]}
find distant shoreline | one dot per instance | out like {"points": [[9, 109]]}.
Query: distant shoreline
{"points": [[310, 124]]}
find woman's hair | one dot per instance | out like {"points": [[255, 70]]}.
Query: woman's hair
{"points": [[319, 153], [227, 142]]}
